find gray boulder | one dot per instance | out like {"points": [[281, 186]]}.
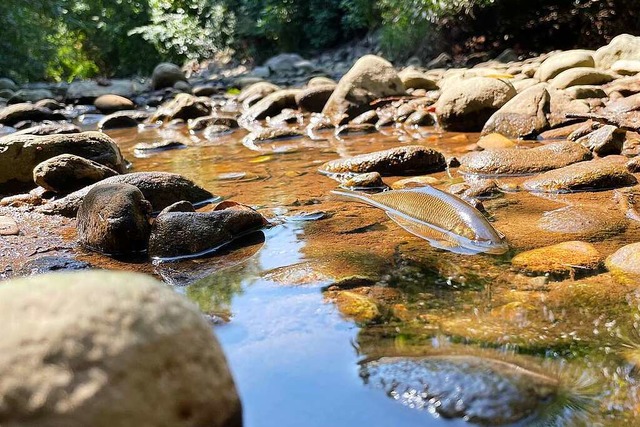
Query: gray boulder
{"points": [[16, 113], [109, 349], [166, 75], [66, 173]]}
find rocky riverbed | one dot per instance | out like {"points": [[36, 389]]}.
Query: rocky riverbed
{"points": [[220, 187]]}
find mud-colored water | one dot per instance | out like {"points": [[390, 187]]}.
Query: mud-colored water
{"points": [[302, 307]]}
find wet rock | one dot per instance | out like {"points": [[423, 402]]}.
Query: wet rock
{"points": [[580, 76], [626, 67], [66, 173], [524, 161], [604, 141], [123, 119], [395, 161], [50, 103], [166, 75], [480, 390], [161, 189], [561, 104], [467, 105], [314, 98], [50, 264], [634, 165], [49, 129], [112, 103], [370, 78], [524, 116], [286, 116], [624, 264], [623, 46], [495, 141], [113, 219], [414, 79], [628, 200], [144, 149], [272, 134], [184, 106], [562, 61], [584, 222], [16, 113], [415, 181], [212, 132], [8, 226], [271, 105], [364, 180], [583, 176], [256, 92], [181, 206], [20, 154], [201, 123], [355, 306], [200, 232], [564, 131], [354, 129], [86, 91], [420, 117], [91, 349], [563, 258]]}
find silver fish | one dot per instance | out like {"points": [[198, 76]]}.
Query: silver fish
{"points": [[444, 220]]}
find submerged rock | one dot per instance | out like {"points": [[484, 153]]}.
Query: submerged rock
{"points": [[190, 234], [109, 349], [66, 173], [624, 264], [583, 176], [395, 161], [484, 391], [466, 105], [19, 155], [50, 264], [563, 258], [370, 78], [524, 161], [113, 219], [161, 189], [584, 222]]}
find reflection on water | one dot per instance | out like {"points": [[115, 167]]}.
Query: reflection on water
{"points": [[298, 360]]}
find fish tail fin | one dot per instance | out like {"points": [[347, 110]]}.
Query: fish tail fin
{"points": [[352, 196]]}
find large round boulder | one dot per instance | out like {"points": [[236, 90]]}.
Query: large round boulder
{"points": [[624, 46], [370, 78], [113, 219], [166, 75], [561, 61], [109, 349], [466, 105]]}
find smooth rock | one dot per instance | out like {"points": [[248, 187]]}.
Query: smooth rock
{"points": [[562, 61], [580, 76], [184, 106], [271, 105], [161, 189], [109, 349], [113, 219], [623, 46], [257, 91], [563, 258], [582, 176], [480, 390], [123, 119], [181, 206], [283, 63], [524, 161], [49, 129], [203, 122], [364, 180], [467, 105], [20, 154], [144, 149], [626, 67], [604, 141], [16, 113], [524, 116], [420, 117], [112, 103], [561, 103], [50, 264], [370, 78], [586, 92], [30, 95], [353, 129], [166, 75], [314, 98], [584, 222], [66, 173], [495, 141], [6, 83], [321, 81], [414, 79], [624, 264], [86, 91], [405, 160], [200, 232]]}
